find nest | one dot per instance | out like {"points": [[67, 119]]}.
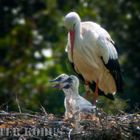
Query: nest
{"points": [[47, 126]]}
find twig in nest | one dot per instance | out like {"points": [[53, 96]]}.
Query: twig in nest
{"points": [[43, 110], [17, 101]]}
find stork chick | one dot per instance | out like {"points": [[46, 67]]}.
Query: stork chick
{"points": [[74, 103]]}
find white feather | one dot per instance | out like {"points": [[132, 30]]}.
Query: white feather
{"points": [[107, 49]]}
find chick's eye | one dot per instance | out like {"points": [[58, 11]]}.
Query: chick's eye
{"points": [[69, 79]]}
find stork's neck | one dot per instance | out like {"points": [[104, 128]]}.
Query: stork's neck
{"points": [[71, 92], [75, 36], [77, 30]]}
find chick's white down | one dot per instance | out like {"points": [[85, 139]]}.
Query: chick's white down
{"points": [[73, 102]]}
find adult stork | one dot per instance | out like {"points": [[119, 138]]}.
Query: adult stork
{"points": [[92, 53]]}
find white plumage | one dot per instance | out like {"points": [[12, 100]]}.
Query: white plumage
{"points": [[92, 53], [73, 102]]}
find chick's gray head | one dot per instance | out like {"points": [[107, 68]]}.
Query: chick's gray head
{"points": [[59, 82], [72, 82], [64, 81]]}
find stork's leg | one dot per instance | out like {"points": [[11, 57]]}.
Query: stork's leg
{"points": [[95, 94], [87, 89]]}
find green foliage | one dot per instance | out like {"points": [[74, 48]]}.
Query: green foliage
{"points": [[32, 44]]}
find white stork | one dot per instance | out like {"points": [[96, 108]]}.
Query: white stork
{"points": [[74, 103], [93, 56]]}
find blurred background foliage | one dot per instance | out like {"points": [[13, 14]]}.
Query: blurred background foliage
{"points": [[32, 44]]}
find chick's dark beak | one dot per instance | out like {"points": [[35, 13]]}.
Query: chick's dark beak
{"points": [[55, 80], [56, 83], [56, 86], [60, 84]]}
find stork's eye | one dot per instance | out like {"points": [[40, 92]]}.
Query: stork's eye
{"points": [[74, 25]]}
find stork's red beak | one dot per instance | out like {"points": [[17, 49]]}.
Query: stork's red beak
{"points": [[72, 38]]}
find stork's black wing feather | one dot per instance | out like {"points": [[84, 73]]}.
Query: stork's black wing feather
{"points": [[114, 68], [107, 49]]}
